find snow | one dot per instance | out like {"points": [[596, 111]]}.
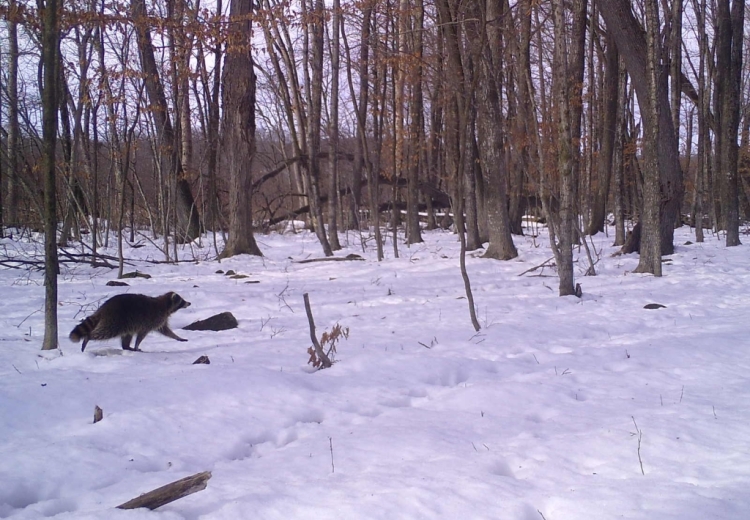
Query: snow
{"points": [[549, 411]]}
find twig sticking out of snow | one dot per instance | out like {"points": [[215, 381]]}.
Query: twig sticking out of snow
{"points": [[324, 359], [639, 432]]}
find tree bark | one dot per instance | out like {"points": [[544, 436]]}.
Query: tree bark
{"points": [[631, 42], [333, 158], [728, 77], [315, 99], [521, 127], [239, 129], [14, 132], [490, 135], [416, 131], [50, 63], [609, 126], [565, 154], [650, 247], [187, 212]]}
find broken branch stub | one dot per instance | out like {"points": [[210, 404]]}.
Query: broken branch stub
{"points": [[322, 356]]}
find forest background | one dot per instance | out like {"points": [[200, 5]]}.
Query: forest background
{"points": [[168, 119]]}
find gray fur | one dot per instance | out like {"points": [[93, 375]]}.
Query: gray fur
{"points": [[128, 315]]}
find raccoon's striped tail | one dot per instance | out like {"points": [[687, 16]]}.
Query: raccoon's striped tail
{"points": [[82, 330]]}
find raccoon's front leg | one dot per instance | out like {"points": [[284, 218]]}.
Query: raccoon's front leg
{"points": [[168, 333], [126, 342]]}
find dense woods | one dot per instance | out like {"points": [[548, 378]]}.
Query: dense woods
{"points": [[169, 119]]}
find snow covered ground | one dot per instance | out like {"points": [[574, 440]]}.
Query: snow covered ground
{"points": [[559, 408]]}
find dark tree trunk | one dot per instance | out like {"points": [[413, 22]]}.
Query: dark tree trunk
{"points": [[315, 100], [631, 42], [333, 158], [490, 132], [563, 243], [50, 64], [728, 77], [14, 131], [239, 129], [522, 129], [609, 126], [651, 111], [416, 108], [188, 223], [618, 157]]}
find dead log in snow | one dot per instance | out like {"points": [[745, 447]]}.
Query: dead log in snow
{"points": [[351, 256], [169, 493]]}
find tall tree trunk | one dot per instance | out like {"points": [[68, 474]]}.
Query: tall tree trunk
{"points": [[333, 157], [704, 140], [315, 100], [50, 63], [631, 42], [14, 131], [650, 249], [213, 132], [521, 127], [471, 174], [361, 103], [188, 221], [490, 135], [239, 129], [416, 132], [618, 157], [609, 125], [565, 155], [728, 77]]}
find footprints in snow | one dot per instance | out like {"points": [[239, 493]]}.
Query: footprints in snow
{"points": [[255, 446]]}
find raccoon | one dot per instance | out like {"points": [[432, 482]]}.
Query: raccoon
{"points": [[128, 315]]}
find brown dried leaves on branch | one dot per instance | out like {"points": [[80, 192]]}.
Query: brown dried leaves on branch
{"points": [[330, 339]]}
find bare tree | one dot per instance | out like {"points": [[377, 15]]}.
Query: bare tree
{"points": [[562, 237], [314, 32], [490, 125], [12, 178], [638, 56], [239, 128], [727, 80], [50, 63], [607, 149], [650, 249], [416, 131], [187, 212], [333, 158]]}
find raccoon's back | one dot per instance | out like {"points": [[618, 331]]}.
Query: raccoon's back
{"points": [[124, 314]]}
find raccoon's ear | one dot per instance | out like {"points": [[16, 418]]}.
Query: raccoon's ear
{"points": [[174, 297]]}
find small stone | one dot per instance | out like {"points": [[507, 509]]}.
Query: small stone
{"points": [[203, 360]]}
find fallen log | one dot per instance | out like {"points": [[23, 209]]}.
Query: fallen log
{"points": [[169, 493], [350, 256]]}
